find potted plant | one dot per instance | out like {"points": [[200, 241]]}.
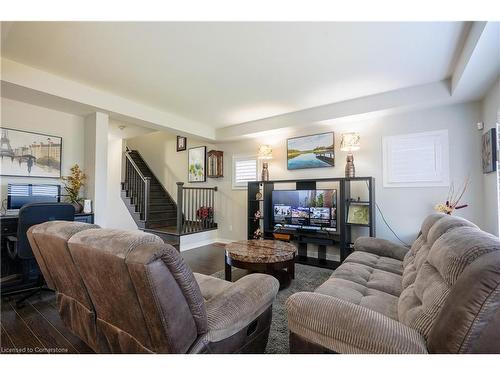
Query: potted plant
{"points": [[72, 184]]}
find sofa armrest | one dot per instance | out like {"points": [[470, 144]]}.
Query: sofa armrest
{"points": [[344, 327], [380, 247], [239, 305]]}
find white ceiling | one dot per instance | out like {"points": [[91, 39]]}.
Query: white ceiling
{"points": [[223, 74]]}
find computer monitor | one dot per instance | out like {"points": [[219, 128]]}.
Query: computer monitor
{"points": [[20, 194]]}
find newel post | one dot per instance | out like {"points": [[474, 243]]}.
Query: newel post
{"points": [[180, 209]]}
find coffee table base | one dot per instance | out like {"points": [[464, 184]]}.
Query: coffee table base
{"points": [[283, 271]]}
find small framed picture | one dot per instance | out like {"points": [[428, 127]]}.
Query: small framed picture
{"points": [[181, 143], [358, 214], [489, 151]]}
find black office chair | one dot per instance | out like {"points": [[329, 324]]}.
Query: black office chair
{"points": [[19, 247]]}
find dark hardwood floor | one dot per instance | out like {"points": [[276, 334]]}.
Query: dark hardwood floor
{"points": [[37, 328]]}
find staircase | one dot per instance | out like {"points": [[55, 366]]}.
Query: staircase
{"points": [[155, 211]]}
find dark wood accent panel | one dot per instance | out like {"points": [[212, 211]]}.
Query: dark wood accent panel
{"points": [[5, 340], [48, 309], [21, 335]]}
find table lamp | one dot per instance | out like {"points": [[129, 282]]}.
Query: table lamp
{"points": [[265, 153], [349, 143]]}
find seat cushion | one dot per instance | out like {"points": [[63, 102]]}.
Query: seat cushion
{"points": [[370, 277], [361, 286], [210, 286], [376, 261]]}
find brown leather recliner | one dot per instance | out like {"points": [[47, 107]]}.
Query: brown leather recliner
{"points": [[50, 247], [147, 300]]}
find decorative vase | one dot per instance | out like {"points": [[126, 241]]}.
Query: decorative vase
{"points": [[350, 170], [78, 207], [265, 172]]}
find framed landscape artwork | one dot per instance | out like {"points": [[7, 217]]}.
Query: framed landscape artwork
{"points": [[312, 151], [197, 163], [489, 151], [27, 154], [358, 214]]}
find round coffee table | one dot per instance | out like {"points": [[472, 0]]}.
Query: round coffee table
{"points": [[266, 256]]}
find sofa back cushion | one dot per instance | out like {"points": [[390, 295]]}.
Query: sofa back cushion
{"points": [[49, 242], [450, 251], [146, 298]]}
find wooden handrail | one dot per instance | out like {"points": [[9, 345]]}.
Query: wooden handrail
{"points": [[197, 188], [144, 178], [147, 186]]}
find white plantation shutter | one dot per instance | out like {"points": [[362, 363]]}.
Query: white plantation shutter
{"points": [[244, 170]]}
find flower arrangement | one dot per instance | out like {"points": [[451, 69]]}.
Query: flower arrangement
{"points": [[453, 199], [205, 213], [73, 183]]}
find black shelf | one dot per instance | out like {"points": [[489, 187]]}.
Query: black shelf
{"points": [[342, 237]]}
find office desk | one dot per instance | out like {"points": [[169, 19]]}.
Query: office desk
{"points": [[8, 227], [8, 223]]}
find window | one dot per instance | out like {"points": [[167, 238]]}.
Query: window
{"points": [[418, 159], [244, 170]]}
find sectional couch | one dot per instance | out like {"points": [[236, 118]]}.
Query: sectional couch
{"points": [[442, 295]]}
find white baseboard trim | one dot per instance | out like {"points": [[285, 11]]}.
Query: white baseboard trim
{"points": [[224, 240], [192, 241]]}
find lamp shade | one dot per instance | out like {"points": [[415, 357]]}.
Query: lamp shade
{"points": [[265, 152], [350, 142]]}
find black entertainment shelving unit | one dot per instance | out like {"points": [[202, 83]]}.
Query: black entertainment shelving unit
{"points": [[343, 237]]}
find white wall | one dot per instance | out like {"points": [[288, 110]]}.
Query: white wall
{"points": [[404, 208], [118, 216], [490, 112], [22, 116], [96, 164]]}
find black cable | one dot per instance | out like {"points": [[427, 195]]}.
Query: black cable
{"points": [[385, 221], [388, 226]]}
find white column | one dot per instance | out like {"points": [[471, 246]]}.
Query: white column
{"points": [[96, 163]]}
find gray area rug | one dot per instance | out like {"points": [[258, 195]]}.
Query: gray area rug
{"points": [[307, 278]]}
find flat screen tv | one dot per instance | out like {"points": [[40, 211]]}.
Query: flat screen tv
{"points": [[306, 209], [20, 194]]}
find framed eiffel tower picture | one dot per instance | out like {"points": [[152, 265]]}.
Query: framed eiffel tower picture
{"points": [[27, 154]]}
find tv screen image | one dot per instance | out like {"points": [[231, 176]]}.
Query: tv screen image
{"points": [[281, 213], [320, 213], [316, 208], [300, 215]]}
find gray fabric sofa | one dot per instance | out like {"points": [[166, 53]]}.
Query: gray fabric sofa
{"points": [[440, 296], [129, 292]]}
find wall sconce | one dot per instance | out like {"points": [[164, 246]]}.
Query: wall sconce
{"points": [[265, 153], [350, 142]]}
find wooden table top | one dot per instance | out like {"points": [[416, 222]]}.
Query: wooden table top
{"points": [[260, 251]]}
